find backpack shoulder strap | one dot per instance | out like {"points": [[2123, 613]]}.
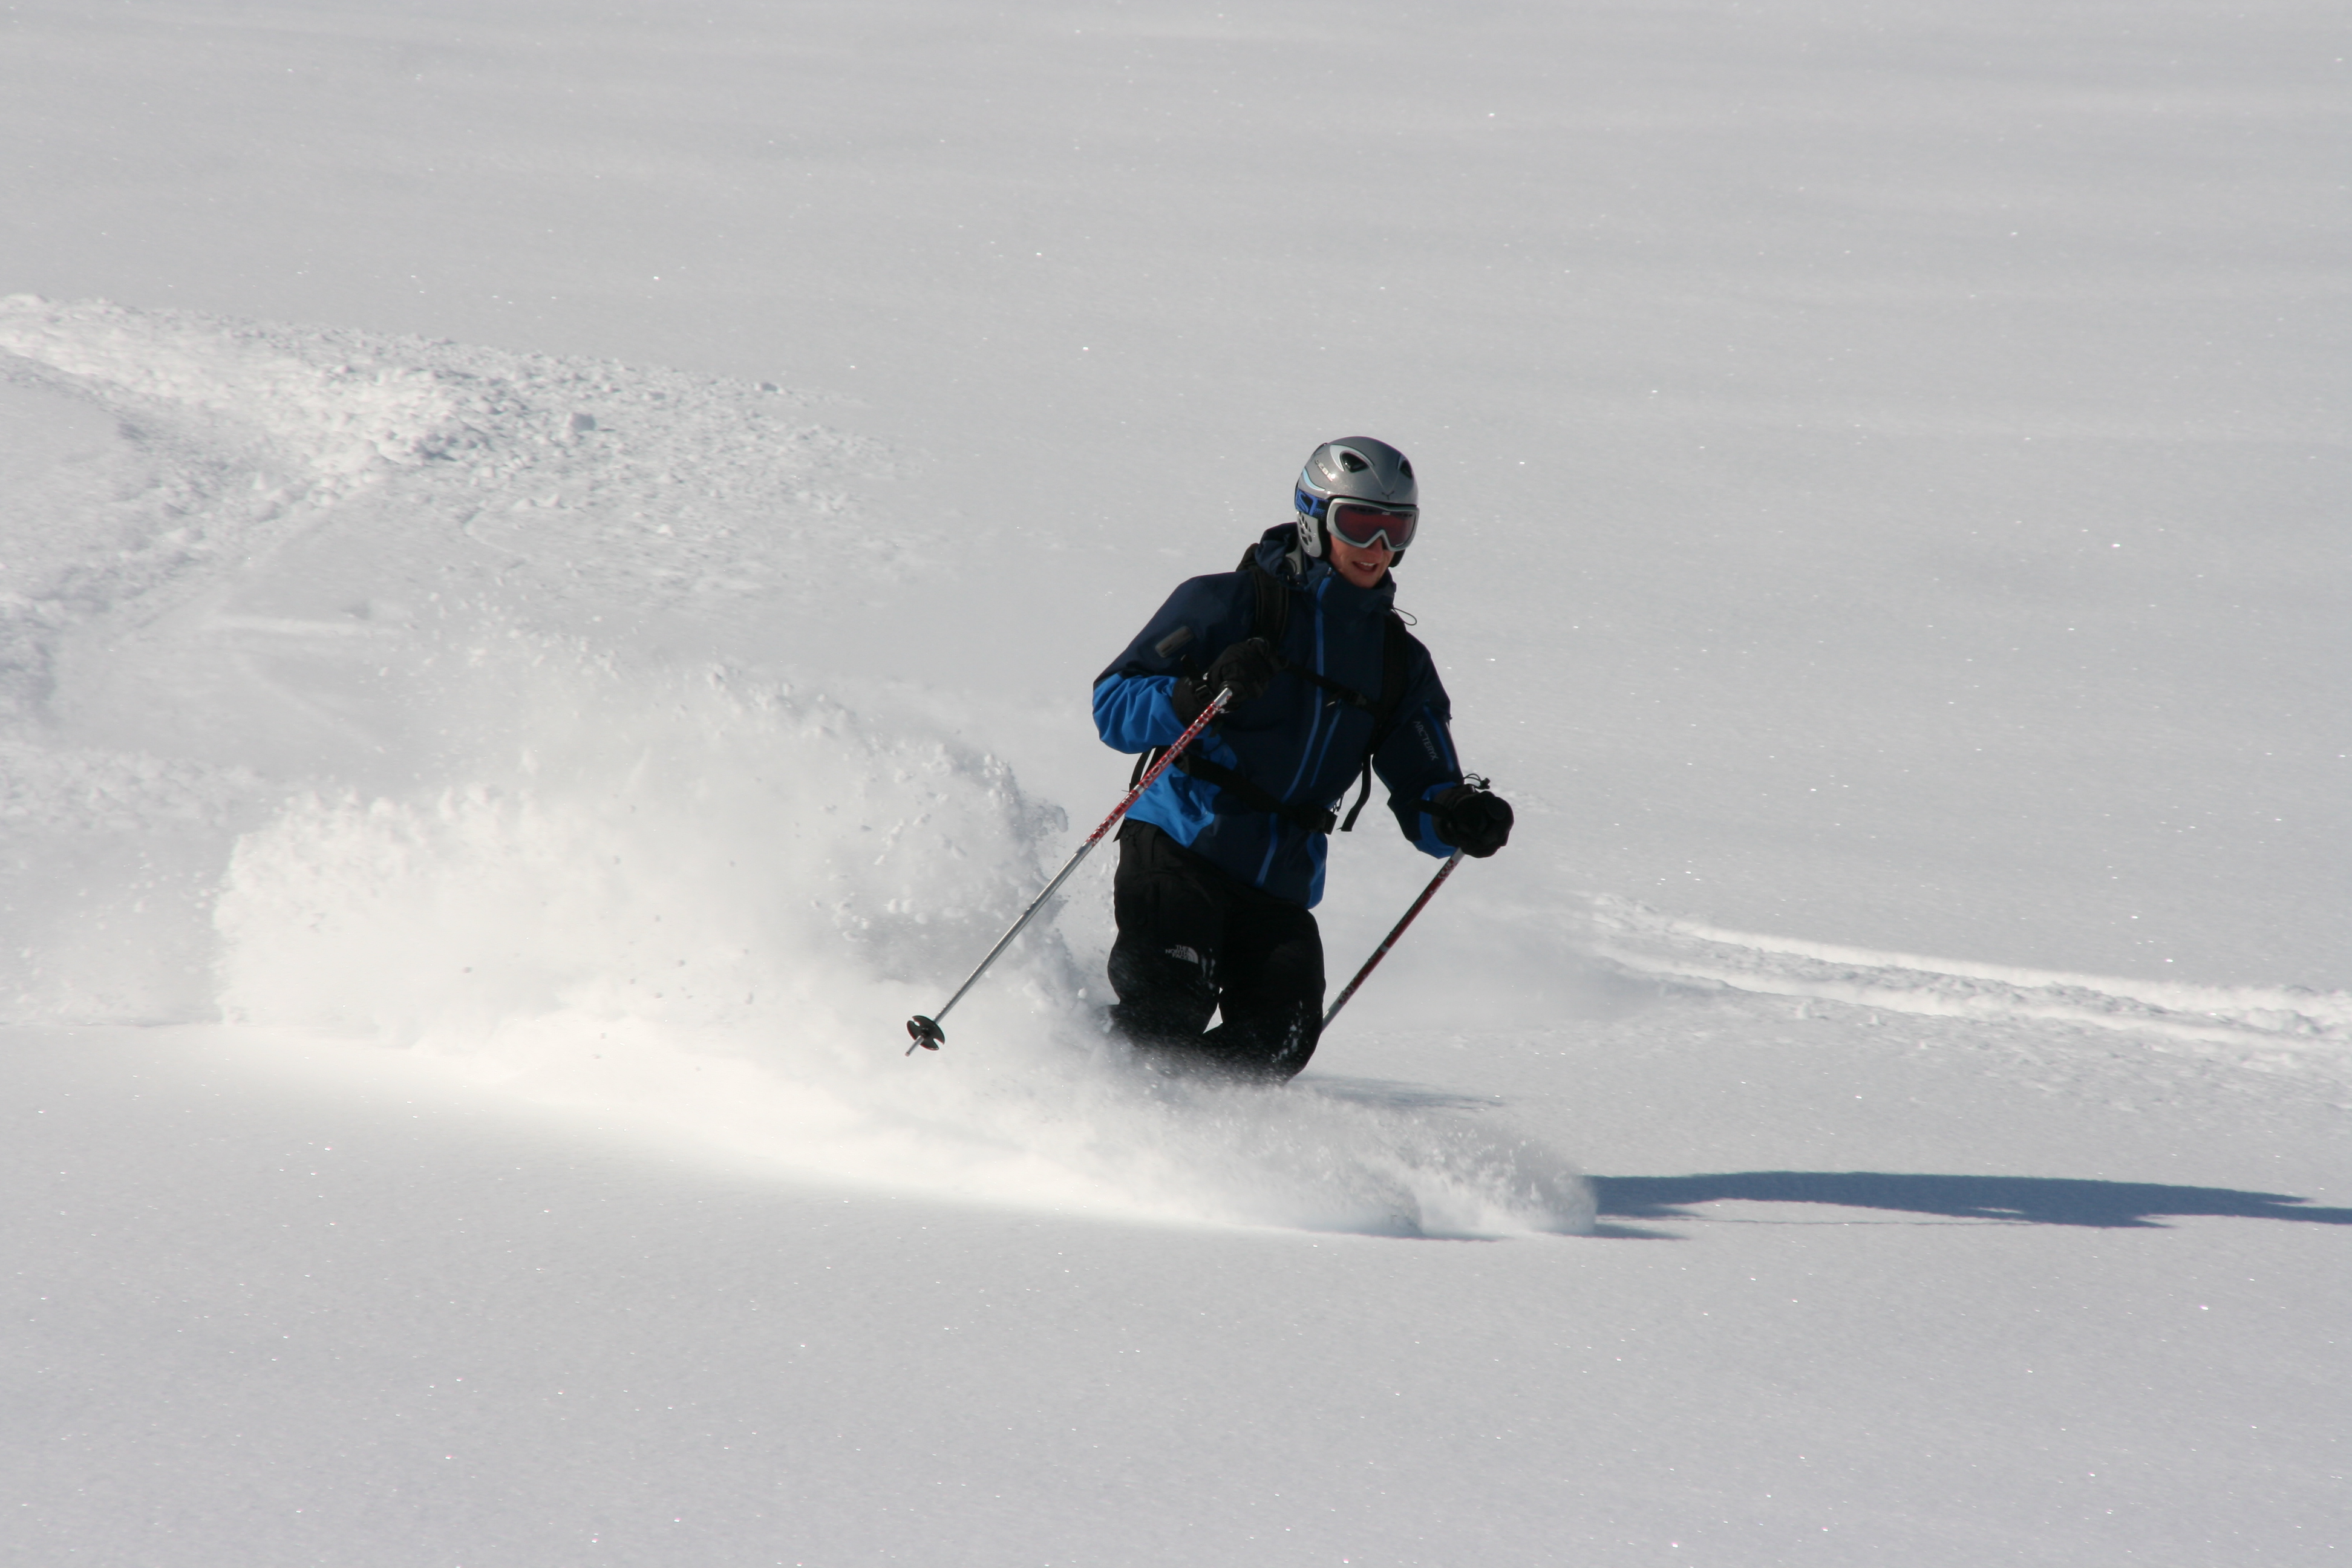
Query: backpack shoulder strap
{"points": [[1273, 612], [1269, 618], [1396, 660], [1396, 664]]}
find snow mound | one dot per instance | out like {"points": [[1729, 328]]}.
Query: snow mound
{"points": [[337, 417], [239, 558], [584, 474], [706, 906]]}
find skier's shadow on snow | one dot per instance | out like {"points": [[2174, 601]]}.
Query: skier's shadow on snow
{"points": [[2016, 1200]]}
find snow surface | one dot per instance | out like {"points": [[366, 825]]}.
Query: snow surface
{"points": [[473, 818]]}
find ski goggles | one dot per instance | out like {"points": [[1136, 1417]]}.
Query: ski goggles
{"points": [[1362, 524]]}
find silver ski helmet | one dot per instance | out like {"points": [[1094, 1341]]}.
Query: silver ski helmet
{"points": [[1356, 468]]}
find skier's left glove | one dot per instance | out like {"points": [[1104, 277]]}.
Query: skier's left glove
{"points": [[1473, 821]]}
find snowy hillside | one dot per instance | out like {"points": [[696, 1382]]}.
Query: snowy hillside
{"points": [[477, 804]]}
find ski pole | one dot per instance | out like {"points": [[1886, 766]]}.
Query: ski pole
{"points": [[1395, 931], [1390, 940], [926, 1031]]}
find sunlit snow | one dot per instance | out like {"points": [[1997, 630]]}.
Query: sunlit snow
{"points": [[549, 567]]}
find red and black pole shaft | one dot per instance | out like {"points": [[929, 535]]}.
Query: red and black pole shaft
{"points": [[1396, 930], [925, 1031]]}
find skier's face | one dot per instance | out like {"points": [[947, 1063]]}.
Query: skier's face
{"points": [[1362, 564]]}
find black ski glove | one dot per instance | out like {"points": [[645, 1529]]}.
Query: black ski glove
{"points": [[1249, 668], [1472, 820]]}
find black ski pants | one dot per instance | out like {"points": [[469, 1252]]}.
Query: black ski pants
{"points": [[1192, 942]]}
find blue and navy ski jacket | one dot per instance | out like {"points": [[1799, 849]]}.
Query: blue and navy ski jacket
{"points": [[1295, 741]]}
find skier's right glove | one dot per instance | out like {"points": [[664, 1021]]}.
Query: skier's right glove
{"points": [[1249, 668], [1473, 820]]}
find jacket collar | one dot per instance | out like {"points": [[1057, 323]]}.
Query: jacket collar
{"points": [[1278, 553]]}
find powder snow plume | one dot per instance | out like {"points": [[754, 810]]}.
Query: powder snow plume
{"points": [[335, 564], [701, 902]]}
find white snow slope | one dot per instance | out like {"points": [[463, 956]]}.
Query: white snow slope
{"points": [[473, 819]]}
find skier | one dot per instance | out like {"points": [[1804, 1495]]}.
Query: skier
{"points": [[1221, 859]]}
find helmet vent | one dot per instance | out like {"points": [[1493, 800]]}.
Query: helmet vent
{"points": [[1404, 467], [1352, 463]]}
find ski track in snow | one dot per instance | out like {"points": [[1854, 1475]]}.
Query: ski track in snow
{"points": [[2294, 1031], [693, 898]]}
